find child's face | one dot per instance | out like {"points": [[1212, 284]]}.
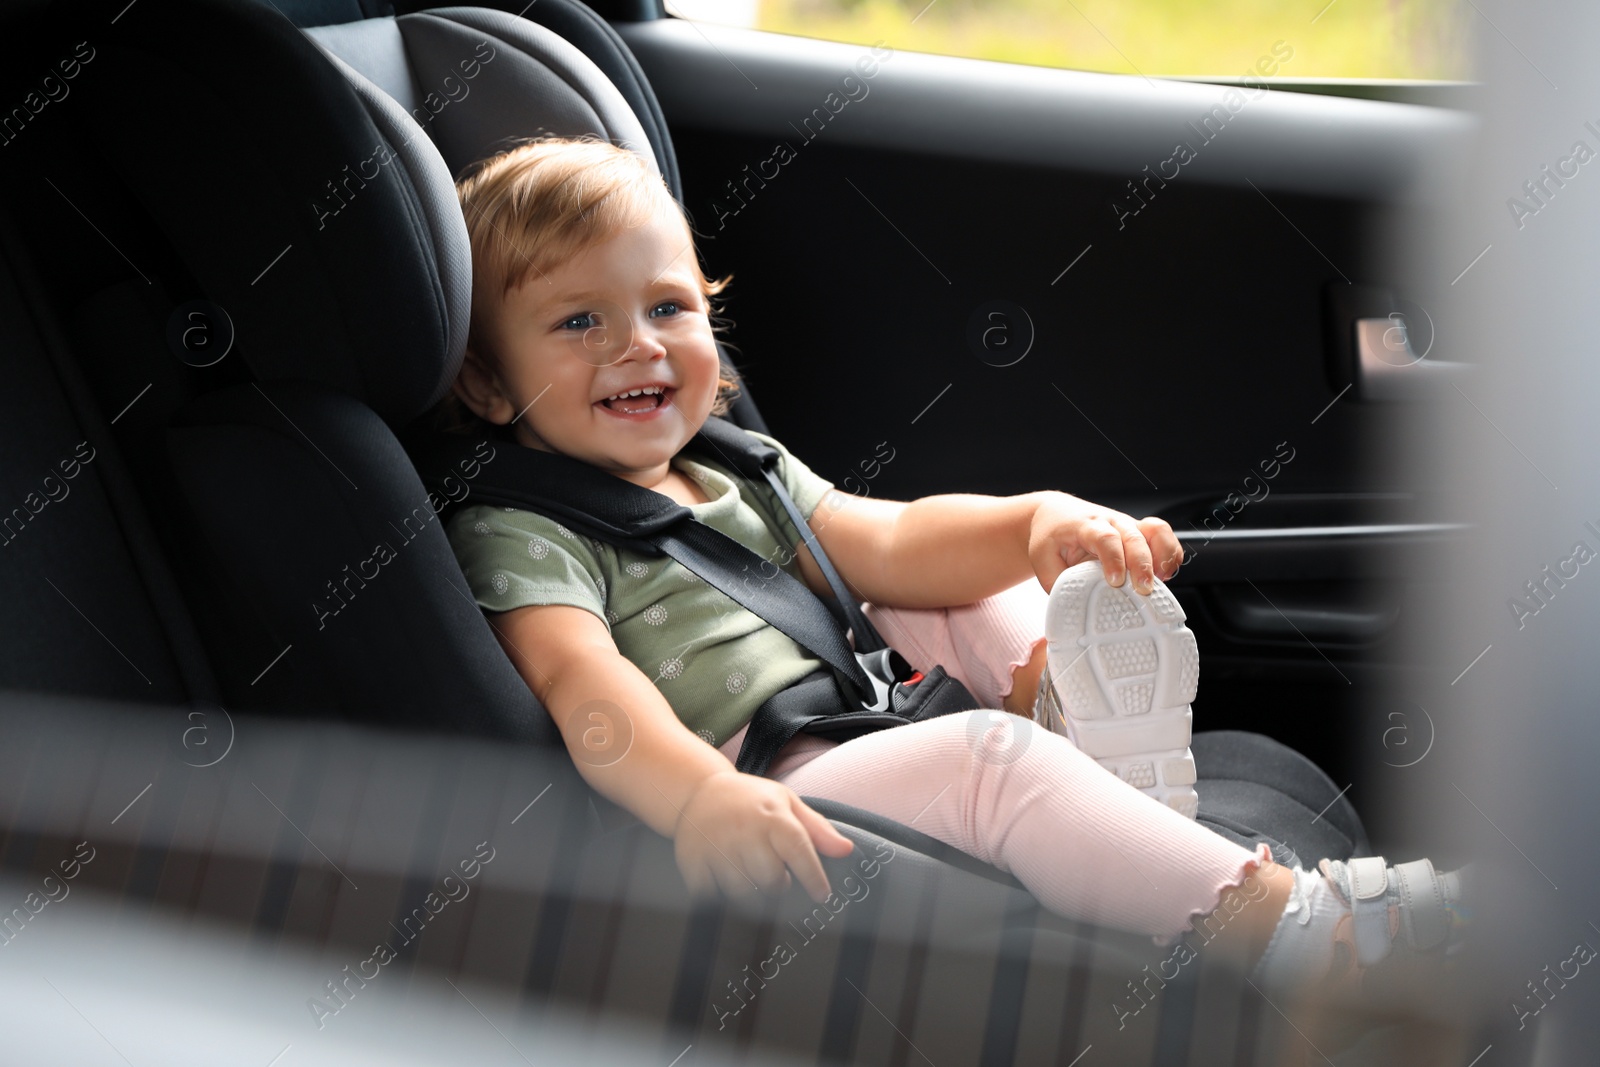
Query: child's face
{"points": [[625, 314]]}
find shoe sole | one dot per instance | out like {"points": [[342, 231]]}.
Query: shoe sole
{"points": [[1120, 673]]}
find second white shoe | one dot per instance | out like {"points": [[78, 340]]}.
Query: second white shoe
{"points": [[1120, 673]]}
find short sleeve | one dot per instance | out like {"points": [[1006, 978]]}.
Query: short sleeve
{"points": [[805, 486], [514, 559]]}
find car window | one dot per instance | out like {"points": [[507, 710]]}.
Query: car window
{"points": [[1295, 39]]}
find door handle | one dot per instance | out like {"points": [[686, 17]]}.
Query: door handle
{"points": [[1309, 611], [1387, 368]]}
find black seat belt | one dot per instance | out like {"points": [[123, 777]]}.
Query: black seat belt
{"points": [[620, 512], [858, 692], [755, 460]]}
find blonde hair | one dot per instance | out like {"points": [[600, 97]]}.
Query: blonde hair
{"points": [[542, 202]]}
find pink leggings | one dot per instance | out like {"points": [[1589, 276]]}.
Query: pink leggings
{"points": [[1018, 797]]}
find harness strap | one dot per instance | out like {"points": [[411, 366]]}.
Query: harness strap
{"points": [[812, 705], [867, 637], [780, 718], [756, 460], [621, 513]]}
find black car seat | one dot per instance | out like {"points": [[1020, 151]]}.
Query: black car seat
{"points": [[288, 273]]}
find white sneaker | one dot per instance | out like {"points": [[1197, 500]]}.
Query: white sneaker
{"points": [[1389, 932], [1120, 672]]}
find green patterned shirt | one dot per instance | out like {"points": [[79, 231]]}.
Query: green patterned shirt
{"points": [[713, 660]]}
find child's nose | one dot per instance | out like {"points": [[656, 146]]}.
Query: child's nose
{"points": [[646, 345]]}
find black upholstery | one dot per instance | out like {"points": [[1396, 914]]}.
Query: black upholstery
{"points": [[471, 77], [322, 219], [335, 552], [247, 216], [87, 604], [286, 475], [348, 297], [1255, 789], [593, 36]]}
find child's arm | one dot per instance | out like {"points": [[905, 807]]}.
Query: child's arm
{"points": [[732, 830], [959, 547]]}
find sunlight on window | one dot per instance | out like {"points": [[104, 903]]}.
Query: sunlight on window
{"points": [[1390, 39]]}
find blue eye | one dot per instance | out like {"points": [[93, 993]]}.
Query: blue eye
{"points": [[675, 305], [583, 321]]}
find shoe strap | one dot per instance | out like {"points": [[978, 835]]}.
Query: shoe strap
{"points": [[1424, 915], [1369, 908]]}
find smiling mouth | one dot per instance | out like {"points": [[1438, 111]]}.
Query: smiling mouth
{"points": [[639, 404]]}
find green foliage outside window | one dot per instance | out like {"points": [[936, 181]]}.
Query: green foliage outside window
{"points": [[1390, 39]]}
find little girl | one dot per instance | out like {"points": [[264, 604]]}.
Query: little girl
{"points": [[591, 337]]}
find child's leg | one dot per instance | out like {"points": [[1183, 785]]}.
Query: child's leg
{"points": [[1092, 848], [994, 646], [1025, 800]]}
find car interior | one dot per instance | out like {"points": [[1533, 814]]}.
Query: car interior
{"points": [[234, 275]]}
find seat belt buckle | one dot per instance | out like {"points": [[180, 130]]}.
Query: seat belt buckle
{"points": [[886, 669]]}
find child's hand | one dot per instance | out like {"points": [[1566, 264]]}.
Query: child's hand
{"points": [[743, 834], [1066, 531]]}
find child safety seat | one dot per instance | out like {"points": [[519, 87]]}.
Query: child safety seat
{"points": [[455, 48], [297, 289], [863, 689]]}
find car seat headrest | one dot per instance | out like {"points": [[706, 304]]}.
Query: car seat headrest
{"points": [[304, 179], [522, 79], [470, 79]]}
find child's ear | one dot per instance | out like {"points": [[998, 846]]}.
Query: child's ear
{"points": [[478, 387]]}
